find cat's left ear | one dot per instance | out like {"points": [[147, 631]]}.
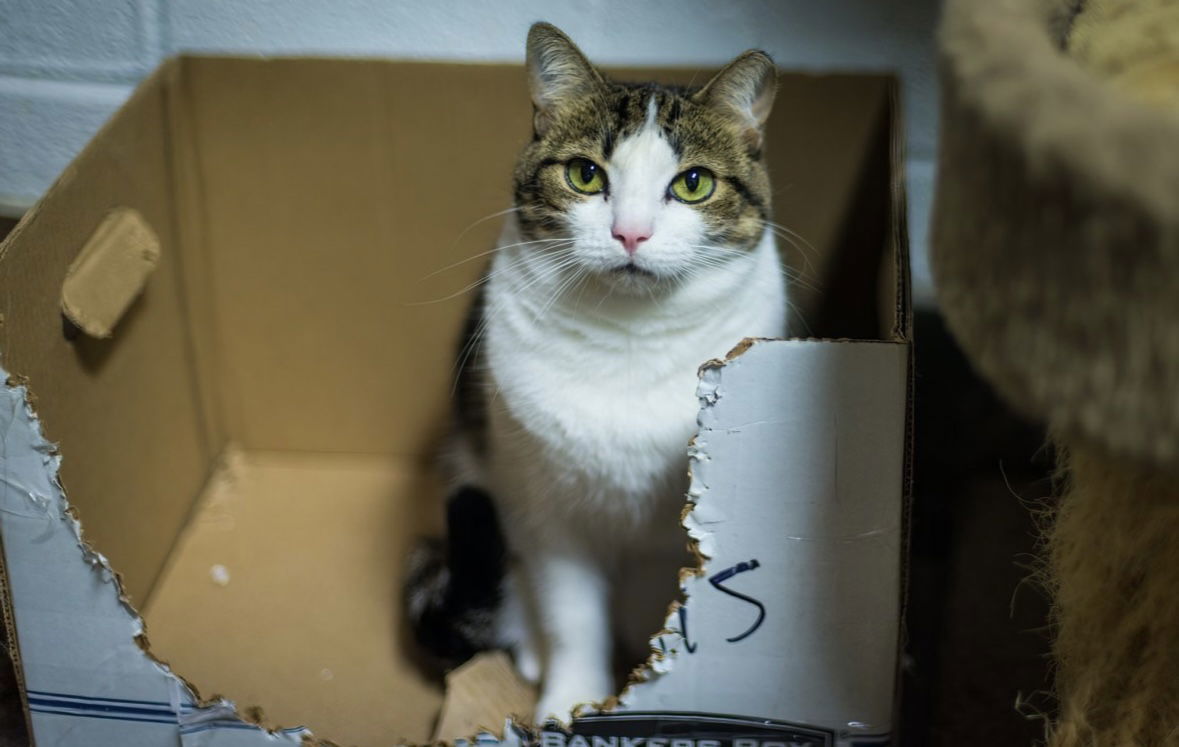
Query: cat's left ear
{"points": [[558, 73], [744, 91]]}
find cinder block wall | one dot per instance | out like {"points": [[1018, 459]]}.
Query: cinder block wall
{"points": [[65, 65]]}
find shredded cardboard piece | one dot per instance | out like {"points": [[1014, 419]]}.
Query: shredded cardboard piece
{"points": [[110, 272], [480, 694]]}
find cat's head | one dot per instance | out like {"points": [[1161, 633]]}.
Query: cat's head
{"points": [[642, 185]]}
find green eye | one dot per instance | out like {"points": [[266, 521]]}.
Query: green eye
{"points": [[694, 185], [585, 176]]}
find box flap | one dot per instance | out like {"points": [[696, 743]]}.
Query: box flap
{"points": [[125, 409], [796, 614]]}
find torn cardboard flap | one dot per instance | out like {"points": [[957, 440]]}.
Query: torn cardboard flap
{"points": [[77, 637], [110, 272], [795, 616]]}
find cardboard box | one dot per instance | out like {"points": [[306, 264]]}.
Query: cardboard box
{"points": [[250, 376]]}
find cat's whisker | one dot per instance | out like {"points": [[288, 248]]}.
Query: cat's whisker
{"points": [[556, 251], [781, 229], [654, 298], [605, 298], [467, 230], [493, 250], [461, 262], [789, 231], [692, 273], [698, 270], [550, 269], [577, 303], [558, 240], [795, 276], [469, 348], [806, 262], [793, 307], [451, 296], [562, 288], [794, 239], [559, 257], [484, 219]]}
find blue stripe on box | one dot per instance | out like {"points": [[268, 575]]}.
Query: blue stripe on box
{"points": [[124, 709], [100, 707], [236, 725], [113, 717], [196, 728], [70, 696]]}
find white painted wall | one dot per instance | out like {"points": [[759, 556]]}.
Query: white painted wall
{"points": [[65, 65]]}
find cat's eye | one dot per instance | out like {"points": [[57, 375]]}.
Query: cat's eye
{"points": [[694, 185], [585, 176]]}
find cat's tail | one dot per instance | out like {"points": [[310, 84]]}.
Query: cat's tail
{"points": [[454, 588]]}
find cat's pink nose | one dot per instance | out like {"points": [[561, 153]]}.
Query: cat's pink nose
{"points": [[630, 236]]}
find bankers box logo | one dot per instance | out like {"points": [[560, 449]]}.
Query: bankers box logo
{"points": [[694, 730]]}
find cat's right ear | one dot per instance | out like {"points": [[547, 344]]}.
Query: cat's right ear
{"points": [[557, 73]]}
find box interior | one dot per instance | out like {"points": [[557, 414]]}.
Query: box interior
{"points": [[252, 449]]}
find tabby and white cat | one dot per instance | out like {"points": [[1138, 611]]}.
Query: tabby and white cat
{"points": [[638, 249]]}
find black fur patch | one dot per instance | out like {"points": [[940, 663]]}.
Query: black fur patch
{"points": [[454, 589]]}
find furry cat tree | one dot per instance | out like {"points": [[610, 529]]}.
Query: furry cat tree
{"points": [[1056, 254]]}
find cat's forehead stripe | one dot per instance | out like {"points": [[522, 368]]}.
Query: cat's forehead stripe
{"points": [[643, 159], [637, 107], [687, 133]]}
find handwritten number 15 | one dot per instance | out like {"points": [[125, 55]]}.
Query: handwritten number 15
{"points": [[718, 580]]}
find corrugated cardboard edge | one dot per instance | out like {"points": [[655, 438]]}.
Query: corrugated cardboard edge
{"points": [[658, 661], [902, 332], [23, 441]]}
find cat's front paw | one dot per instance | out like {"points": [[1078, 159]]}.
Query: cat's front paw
{"points": [[559, 701], [528, 663]]}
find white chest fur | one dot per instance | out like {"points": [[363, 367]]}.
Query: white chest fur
{"points": [[595, 395]]}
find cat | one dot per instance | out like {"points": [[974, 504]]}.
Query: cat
{"points": [[638, 248]]}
